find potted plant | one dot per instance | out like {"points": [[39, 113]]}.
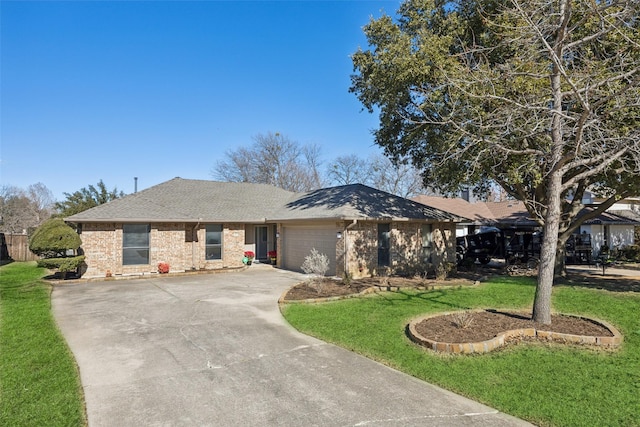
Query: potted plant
{"points": [[273, 256], [248, 257]]}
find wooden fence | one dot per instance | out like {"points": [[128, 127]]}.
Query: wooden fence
{"points": [[18, 247]]}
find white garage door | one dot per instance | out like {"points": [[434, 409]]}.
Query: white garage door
{"points": [[297, 242]]}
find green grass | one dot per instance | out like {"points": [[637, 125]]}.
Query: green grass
{"points": [[546, 384], [39, 381]]}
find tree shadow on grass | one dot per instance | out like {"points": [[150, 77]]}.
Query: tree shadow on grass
{"points": [[432, 297], [607, 283]]}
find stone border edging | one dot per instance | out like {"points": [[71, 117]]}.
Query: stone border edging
{"points": [[500, 340]]}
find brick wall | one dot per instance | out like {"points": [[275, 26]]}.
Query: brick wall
{"points": [[405, 247], [178, 244]]}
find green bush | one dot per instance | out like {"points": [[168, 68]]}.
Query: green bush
{"points": [[62, 264], [53, 239]]}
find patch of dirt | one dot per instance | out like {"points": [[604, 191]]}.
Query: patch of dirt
{"points": [[487, 324]]}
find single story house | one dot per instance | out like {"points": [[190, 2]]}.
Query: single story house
{"points": [[203, 225]]}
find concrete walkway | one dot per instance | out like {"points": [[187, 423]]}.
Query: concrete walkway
{"points": [[609, 272], [213, 350]]}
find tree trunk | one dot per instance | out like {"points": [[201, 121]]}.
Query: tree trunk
{"points": [[561, 256], [542, 300]]}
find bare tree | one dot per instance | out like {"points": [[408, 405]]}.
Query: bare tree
{"points": [[351, 169], [24, 210], [399, 178], [540, 96], [377, 171], [273, 159]]}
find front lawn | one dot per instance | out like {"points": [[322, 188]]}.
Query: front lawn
{"points": [[39, 381], [546, 384]]}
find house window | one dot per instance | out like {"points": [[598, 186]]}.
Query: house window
{"points": [[427, 241], [384, 242], [135, 244], [213, 245]]}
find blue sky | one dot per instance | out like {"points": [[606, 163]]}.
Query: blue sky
{"points": [[154, 90]]}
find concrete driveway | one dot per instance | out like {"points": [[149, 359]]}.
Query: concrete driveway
{"points": [[213, 350]]}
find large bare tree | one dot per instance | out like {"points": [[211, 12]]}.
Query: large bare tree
{"points": [[399, 178], [540, 96], [273, 159], [24, 210]]}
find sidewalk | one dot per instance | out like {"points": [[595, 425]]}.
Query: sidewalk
{"points": [[609, 272]]}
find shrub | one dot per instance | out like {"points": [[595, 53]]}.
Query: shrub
{"points": [[163, 268], [462, 319], [317, 264], [63, 265], [53, 239]]}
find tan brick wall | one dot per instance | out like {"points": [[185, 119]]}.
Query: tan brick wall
{"points": [[172, 243], [405, 242], [362, 249], [169, 242]]}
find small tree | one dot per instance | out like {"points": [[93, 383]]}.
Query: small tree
{"points": [[52, 240]]}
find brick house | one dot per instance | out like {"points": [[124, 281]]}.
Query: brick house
{"points": [[206, 225]]}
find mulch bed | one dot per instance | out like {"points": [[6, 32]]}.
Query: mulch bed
{"points": [[487, 324], [327, 288]]}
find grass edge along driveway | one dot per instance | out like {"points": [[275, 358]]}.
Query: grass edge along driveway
{"points": [[39, 379], [546, 384]]}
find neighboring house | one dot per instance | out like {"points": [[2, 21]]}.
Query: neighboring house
{"points": [[474, 215], [195, 225], [614, 227]]}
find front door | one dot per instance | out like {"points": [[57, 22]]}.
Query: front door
{"points": [[383, 245], [261, 241]]}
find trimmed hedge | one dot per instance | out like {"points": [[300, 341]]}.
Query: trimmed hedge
{"points": [[54, 237], [62, 264]]}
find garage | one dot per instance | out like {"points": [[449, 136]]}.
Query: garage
{"points": [[297, 242]]}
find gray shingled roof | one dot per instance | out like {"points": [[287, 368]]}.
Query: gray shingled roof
{"points": [[357, 201], [187, 200], [184, 200]]}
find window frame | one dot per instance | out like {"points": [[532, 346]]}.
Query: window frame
{"points": [[208, 246], [426, 237], [136, 248]]}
